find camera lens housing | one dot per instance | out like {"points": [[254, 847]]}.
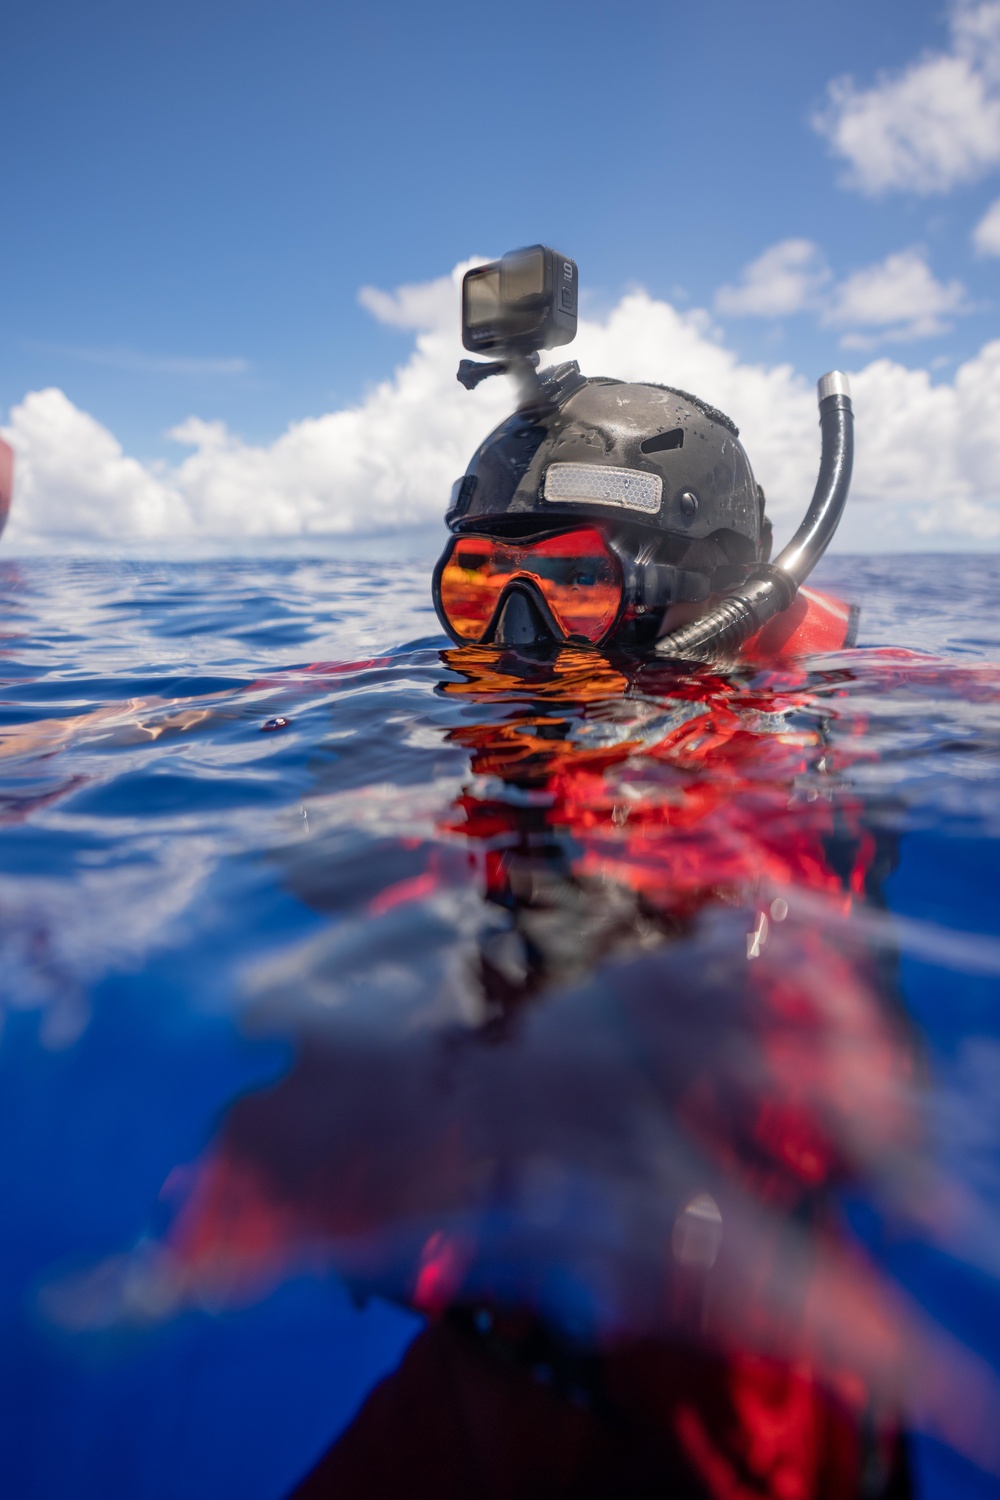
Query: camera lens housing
{"points": [[523, 302]]}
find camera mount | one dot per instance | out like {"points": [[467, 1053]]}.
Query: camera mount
{"points": [[513, 307]]}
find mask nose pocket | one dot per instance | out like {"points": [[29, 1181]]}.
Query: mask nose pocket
{"points": [[520, 622]]}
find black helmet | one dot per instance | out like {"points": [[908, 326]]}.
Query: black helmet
{"points": [[653, 482], [638, 455], [661, 471]]}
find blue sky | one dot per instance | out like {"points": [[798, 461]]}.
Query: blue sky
{"points": [[194, 194]]}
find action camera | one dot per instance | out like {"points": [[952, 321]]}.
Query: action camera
{"points": [[522, 303]]}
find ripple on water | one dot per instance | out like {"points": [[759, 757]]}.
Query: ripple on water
{"points": [[477, 983]]}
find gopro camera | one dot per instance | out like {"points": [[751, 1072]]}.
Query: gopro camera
{"points": [[522, 303]]}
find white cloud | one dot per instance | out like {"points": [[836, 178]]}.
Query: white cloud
{"points": [[931, 126], [422, 306], [932, 452], [72, 480], [784, 280], [900, 296], [986, 235], [386, 462], [928, 455]]}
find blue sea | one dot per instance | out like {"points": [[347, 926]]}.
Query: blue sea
{"points": [[346, 977]]}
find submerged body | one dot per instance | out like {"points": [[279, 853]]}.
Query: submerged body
{"points": [[483, 1077], [605, 1171]]}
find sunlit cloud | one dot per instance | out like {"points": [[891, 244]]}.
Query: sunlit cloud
{"points": [[986, 235], [896, 300], [899, 297], [930, 451], [419, 306], [785, 279], [930, 126]]}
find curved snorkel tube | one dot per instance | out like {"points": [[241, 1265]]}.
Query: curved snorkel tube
{"points": [[771, 587]]}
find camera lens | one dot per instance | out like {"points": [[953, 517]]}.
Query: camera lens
{"points": [[482, 297]]}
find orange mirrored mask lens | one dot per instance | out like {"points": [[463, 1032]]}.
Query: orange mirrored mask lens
{"points": [[576, 573]]}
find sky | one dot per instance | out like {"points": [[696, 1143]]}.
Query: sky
{"points": [[233, 234]]}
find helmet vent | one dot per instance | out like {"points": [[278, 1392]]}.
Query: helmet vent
{"points": [[663, 441]]}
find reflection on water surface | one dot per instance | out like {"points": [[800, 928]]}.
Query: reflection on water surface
{"points": [[610, 1037]]}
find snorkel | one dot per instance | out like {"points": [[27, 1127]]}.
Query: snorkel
{"points": [[660, 473], [773, 586]]}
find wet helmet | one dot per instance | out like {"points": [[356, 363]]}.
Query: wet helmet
{"points": [[600, 504], [660, 472]]}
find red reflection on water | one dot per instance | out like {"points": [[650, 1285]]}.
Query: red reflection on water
{"points": [[610, 1176]]}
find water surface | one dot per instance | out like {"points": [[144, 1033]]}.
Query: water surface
{"points": [[416, 997]]}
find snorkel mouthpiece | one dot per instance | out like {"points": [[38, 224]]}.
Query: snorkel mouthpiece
{"points": [[772, 587], [521, 624]]}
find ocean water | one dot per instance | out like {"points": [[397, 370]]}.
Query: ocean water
{"points": [[348, 978]]}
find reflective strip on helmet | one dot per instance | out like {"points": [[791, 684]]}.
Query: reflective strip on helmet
{"points": [[597, 484]]}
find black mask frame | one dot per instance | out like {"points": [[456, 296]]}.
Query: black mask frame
{"points": [[647, 586]]}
